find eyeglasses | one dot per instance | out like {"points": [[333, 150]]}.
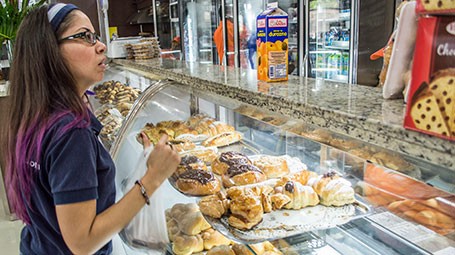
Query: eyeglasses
{"points": [[88, 36]]}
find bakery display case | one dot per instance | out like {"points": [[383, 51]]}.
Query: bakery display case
{"points": [[398, 212]]}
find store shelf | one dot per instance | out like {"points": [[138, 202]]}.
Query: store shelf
{"points": [[337, 48]]}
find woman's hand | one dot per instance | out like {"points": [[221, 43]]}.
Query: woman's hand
{"points": [[163, 160]]}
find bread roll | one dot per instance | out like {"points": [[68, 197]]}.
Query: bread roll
{"points": [[186, 245], [238, 175], [221, 250], [193, 223], [226, 159], [272, 166], [198, 182], [213, 238]]}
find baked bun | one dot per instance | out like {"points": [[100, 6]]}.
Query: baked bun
{"points": [[221, 250], [238, 175], [187, 218], [186, 245], [226, 159], [213, 238], [300, 196], [215, 205], [272, 166], [198, 182], [222, 139]]}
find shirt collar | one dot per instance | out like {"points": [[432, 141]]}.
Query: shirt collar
{"points": [[95, 124]]}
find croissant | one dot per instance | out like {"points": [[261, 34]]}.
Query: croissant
{"points": [[302, 177], [279, 200], [300, 196], [333, 190]]}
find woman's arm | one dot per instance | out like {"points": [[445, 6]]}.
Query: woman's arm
{"points": [[85, 232]]}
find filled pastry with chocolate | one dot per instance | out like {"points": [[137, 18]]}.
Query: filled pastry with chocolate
{"points": [[237, 175], [197, 182], [189, 162], [300, 196], [227, 159]]}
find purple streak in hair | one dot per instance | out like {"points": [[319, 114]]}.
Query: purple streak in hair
{"points": [[28, 146]]}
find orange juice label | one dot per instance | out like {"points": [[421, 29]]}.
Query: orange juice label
{"points": [[272, 44]]}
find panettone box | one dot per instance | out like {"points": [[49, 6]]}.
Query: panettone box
{"points": [[272, 44], [431, 101], [435, 7]]}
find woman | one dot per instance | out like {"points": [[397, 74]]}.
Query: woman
{"points": [[60, 179]]}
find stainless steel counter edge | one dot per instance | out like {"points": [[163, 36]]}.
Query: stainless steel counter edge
{"points": [[356, 111]]}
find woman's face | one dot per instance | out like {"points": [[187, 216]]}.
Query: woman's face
{"points": [[85, 61]]}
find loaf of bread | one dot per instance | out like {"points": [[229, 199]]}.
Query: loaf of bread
{"points": [[272, 166]]}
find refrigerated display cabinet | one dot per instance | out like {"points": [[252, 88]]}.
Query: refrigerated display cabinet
{"points": [[385, 229]]}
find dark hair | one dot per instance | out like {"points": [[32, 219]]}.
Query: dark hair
{"points": [[42, 91]]}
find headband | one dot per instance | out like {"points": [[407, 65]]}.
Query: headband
{"points": [[57, 13]]}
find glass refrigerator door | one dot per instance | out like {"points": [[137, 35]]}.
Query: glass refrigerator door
{"points": [[198, 23], [329, 35]]}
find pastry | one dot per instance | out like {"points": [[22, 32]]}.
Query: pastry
{"points": [[189, 162], [301, 177], [218, 127], [332, 189], [213, 238], [242, 175], [193, 223], [395, 162], [279, 200], [428, 116], [186, 245], [433, 5], [221, 250], [207, 154], [172, 229], [272, 166], [222, 139], [442, 86], [198, 182], [226, 159], [182, 145], [215, 205], [343, 144], [246, 208], [300, 196]]}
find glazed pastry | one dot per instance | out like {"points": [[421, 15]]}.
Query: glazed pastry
{"points": [[332, 189], [215, 205], [198, 182], [213, 238], [300, 196], [186, 245], [272, 166], [237, 175], [246, 208], [223, 139], [226, 159]]}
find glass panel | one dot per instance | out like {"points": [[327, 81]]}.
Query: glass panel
{"points": [[199, 20], [329, 32], [248, 12], [229, 16]]}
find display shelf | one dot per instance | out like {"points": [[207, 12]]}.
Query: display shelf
{"points": [[337, 48]]}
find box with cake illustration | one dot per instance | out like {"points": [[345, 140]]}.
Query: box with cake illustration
{"points": [[436, 7], [431, 100], [272, 44]]}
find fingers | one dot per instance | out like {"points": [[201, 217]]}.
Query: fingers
{"points": [[145, 140], [163, 139]]}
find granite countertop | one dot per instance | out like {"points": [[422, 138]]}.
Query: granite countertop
{"points": [[356, 111]]}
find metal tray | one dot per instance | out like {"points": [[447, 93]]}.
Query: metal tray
{"points": [[285, 223]]}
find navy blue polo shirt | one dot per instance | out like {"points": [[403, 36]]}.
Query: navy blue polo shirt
{"points": [[74, 167]]}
